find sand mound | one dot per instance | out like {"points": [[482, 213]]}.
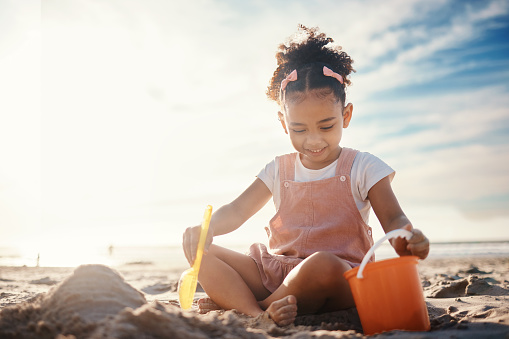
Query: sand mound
{"points": [[75, 306]]}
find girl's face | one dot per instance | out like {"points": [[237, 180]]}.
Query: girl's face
{"points": [[315, 126]]}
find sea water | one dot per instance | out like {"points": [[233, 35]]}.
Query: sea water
{"points": [[172, 257]]}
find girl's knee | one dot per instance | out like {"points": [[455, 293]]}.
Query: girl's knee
{"points": [[213, 249], [214, 252], [327, 260], [326, 267], [211, 256]]}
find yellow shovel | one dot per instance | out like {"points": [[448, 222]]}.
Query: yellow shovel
{"points": [[189, 279]]}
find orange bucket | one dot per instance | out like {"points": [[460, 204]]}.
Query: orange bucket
{"points": [[388, 293]]}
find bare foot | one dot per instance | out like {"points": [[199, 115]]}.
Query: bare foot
{"points": [[206, 305], [283, 311]]}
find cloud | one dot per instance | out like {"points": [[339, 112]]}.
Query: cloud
{"points": [[412, 48], [448, 148]]}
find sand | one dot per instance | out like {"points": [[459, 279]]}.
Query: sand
{"points": [[466, 298]]}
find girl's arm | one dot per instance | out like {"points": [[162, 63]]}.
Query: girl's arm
{"points": [[391, 217], [229, 217]]}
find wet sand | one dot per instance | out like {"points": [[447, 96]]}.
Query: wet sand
{"points": [[466, 298]]}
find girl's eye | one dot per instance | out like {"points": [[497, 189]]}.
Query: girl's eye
{"points": [[298, 130], [328, 127]]}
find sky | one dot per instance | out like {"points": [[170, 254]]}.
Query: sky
{"points": [[121, 120]]}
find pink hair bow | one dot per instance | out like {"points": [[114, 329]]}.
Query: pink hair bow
{"points": [[328, 72], [291, 77]]}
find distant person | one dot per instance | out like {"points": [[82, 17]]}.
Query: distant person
{"points": [[322, 193], [110, 250]]}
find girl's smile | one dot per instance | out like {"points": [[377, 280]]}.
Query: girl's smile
{"points": [[315, 125]]}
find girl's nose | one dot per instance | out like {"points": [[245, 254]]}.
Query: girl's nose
{"points": [[313, 139]]}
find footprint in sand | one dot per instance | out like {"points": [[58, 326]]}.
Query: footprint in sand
{"points": [[474, 270], [160, 288], [472, 285], [44, 281]]}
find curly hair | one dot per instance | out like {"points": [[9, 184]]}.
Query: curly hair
{"points": [[308, 56]]}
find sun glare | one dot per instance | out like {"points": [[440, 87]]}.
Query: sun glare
{"points": [[60, 254]]}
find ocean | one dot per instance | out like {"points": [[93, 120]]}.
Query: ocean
{"points": [[172, 257]]}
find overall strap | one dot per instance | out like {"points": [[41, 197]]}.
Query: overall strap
{"points": [[345, 161], [287, 167]]}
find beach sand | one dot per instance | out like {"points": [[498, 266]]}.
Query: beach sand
{"points": [[466, 298]]}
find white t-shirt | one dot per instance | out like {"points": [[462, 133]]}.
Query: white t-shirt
{"points": [[367, 170]]}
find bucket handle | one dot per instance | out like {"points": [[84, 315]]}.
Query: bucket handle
{"points": [[392, 234]]}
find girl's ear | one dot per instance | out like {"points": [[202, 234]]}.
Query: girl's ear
{"points": [[347, 115], [281, 118]]}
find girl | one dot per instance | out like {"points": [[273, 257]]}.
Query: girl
{"points": [[322, 193]]}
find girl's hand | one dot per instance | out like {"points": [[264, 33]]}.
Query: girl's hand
{"points": [[190, 241], [418, 244]]}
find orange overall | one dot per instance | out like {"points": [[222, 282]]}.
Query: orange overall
{"points": [[313, 216]]}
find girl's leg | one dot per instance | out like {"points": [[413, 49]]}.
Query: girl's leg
{"points": [[232, 280], [318, 284]]}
